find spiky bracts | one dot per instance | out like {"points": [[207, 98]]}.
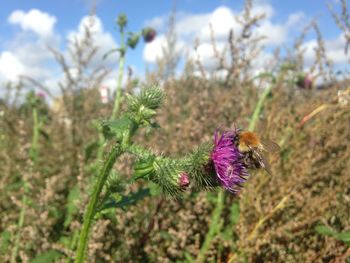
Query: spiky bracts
{"points": [[211, 165], [200, 167], [169, 174]]}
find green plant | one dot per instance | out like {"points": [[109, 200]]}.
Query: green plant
{"points": [[341, 236], [33, 103], [210, 165]]}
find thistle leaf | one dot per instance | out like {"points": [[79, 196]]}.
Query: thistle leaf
{"points": [[117, 128]]}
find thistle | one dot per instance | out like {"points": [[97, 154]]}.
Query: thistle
{"points": [[148, 34], [227, 160], [183, 180], [305, 81], [213, 164]]}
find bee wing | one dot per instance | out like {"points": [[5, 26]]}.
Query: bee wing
{"points": [[270, 146], [263, 161]]}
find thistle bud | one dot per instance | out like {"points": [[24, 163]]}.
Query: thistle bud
{"points": [[304, 81], [40, 95], [133, 40], [184, 180], [122, 20], [148, 34]]}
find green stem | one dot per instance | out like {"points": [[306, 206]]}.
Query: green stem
{"points": [[138, 151], [101, 146], [214, 227], [20, 224], [91, 207], [118, 94], [258, 109], [35, 137], [33, 153]]}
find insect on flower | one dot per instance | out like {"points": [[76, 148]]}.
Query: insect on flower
{"points": [[227, 160], [254, 149]]}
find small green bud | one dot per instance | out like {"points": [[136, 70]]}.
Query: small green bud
{"points": [[122, 21], [143, 107], [133, 40], [199, 167], [144, 168]]}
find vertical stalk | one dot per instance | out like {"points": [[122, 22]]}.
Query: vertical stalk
{"points": [[113, 155], [91, 207], [120, 75], [35, 136], [33, 153], [214, 227], [258, 108], [20, 224], [118, 97]]}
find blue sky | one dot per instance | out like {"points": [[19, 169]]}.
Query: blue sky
{"points": [[55, 21]]}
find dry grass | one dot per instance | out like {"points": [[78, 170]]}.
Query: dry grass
{"points": [[278, 213]]}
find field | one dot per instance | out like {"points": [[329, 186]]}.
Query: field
{"points": [[52, 152]]}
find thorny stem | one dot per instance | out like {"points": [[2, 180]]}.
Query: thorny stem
{"points": [[118, 94], [118, 97], [33, 156], [91, 207], [113, 155]]}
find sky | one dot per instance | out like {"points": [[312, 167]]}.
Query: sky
{"points": [[28, 27]]}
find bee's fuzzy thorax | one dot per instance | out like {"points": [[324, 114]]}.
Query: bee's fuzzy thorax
{"points": [[248, 139]]}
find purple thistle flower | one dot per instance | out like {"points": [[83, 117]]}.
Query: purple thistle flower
{"points": [[226, 158], [41, 95]]}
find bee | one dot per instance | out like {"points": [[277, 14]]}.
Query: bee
{"points": [[254, 150]]}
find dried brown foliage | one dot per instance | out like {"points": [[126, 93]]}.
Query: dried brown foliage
{"points": [[278, 213]]}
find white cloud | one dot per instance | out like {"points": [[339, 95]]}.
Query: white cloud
{"points": [[274, 34], [103, 40], [155, 50], [34, 20], [334, 50], [10, 66], [295, 18], [26, 55], [263, 8], [221, 20]]}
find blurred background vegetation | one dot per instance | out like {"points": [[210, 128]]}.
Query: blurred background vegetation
{"points": [[49, 154]]}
